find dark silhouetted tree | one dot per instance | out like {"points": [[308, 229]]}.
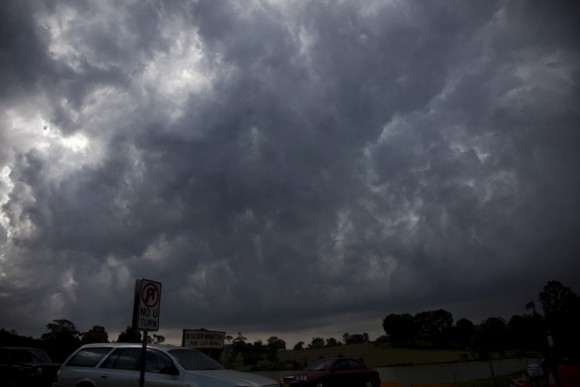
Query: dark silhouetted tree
{"points": [[97, 334], [355, 338], [433, 328], [299, 346], [273, 346], [239, 345], [557, 299], [61, 339], [130, 335], [381, 340], [400, 328], [317, 342], [490, 336], [155, 339], [13, 339], [562, 315], [526, 332], [463, 332]]}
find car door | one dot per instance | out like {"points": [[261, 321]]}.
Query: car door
{"points": [[340, 375], [359, 374], [158, 365], [123, 368], [120, 368]]}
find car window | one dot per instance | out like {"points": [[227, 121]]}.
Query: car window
{"points": [[355, 365], [130, 359], [318, 365], [40, 356], [195, 360], [123, 359], [157, 361], [88, 357], [340, 365]]}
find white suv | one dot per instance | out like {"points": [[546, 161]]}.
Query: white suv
{"points": [[116, 364]]}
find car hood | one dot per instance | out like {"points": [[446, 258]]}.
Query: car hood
{"points": [[235, 377]]}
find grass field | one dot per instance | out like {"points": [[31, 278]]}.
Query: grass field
{"points": [[372, 355], [375, 356]]}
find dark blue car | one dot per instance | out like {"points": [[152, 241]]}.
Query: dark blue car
{"points": [[26, 367]]}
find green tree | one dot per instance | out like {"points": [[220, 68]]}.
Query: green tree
{"points": [[61, 339], [317, 342], [355, 338], [400, 328], [299, 346], [331, 342], [463, 332], [490, 336], [273, 346], [13, 339], [381, 340], [253, 352], [562, 315], [434, 327], [155, 339], [239, 346], [130, 335], [558, 300], [97, 334]]}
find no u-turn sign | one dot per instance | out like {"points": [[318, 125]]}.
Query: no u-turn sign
{"points": [[146, 306]]}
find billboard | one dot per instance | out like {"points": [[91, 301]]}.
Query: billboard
{"points": [[202, 339]]}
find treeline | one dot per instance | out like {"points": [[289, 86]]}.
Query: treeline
{"points": [[556, 333], [63, 338], [251, 353]]}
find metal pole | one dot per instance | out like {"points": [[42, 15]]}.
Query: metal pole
{"points": [[492, 372], [143, 360]]}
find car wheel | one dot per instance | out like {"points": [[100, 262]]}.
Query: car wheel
{"points": [[369, 384]]}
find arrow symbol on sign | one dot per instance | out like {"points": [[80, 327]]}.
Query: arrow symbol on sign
{"points": [[150, 294]]}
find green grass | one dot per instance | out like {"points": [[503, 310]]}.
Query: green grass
{"points": [[372, 355], [500, 381], [376, 356]]}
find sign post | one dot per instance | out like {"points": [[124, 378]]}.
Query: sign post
{"points": [[146, 308]]}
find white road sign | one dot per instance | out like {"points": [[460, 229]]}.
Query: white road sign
{"points": [[147, 305]]}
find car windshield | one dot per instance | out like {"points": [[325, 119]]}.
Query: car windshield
{"points": [[195, 360], [318, 365]]}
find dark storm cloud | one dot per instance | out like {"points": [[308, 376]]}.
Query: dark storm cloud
{"points": [[282, 166]]}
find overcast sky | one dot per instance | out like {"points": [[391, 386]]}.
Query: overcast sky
{"points": [[290, 168]]}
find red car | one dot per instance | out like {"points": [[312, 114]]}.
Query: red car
{"points": [[338, 372]]}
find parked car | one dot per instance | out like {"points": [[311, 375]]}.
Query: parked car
{"points": [[117, 364], [339, 372], [26, 367]]}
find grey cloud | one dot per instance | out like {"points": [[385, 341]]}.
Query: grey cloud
{"points": [[280, 166]]}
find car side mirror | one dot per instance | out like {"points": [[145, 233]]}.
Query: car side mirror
{"points": [[171, 370]]}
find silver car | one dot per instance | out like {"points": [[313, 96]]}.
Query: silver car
{"points": [[117, 364]]}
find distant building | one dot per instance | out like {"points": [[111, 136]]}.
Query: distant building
{"points": [[208, 342]]}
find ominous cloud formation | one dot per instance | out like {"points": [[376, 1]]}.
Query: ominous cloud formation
{"points": [[286, 166]]}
